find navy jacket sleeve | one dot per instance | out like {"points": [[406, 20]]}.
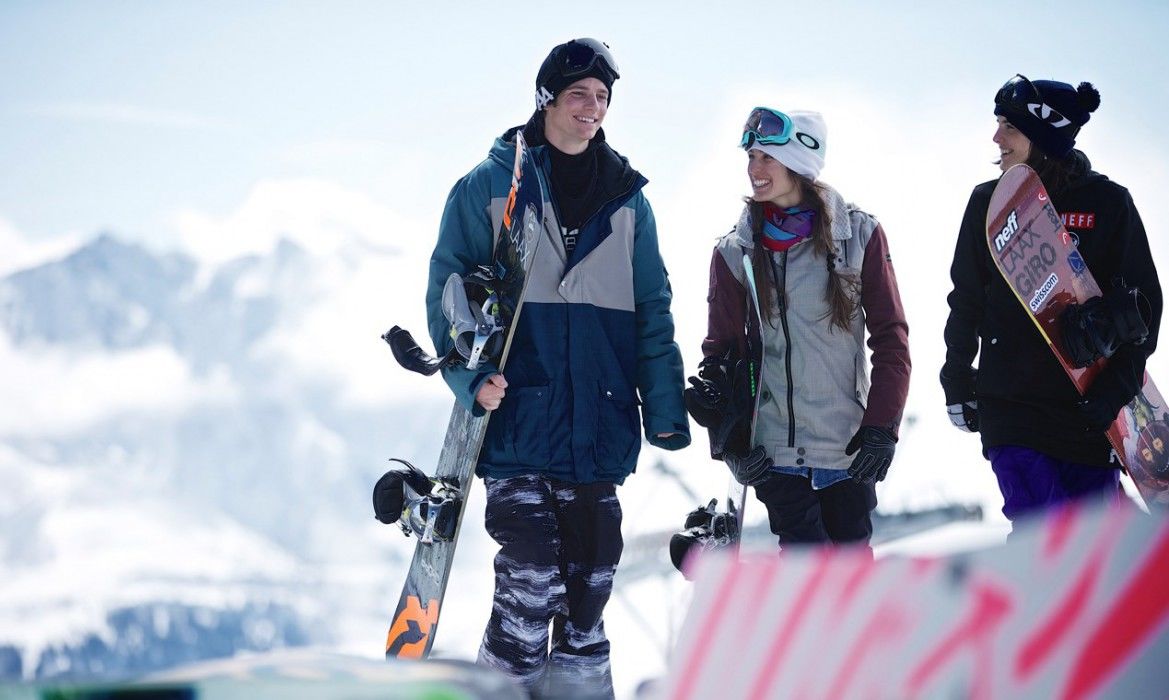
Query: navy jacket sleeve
{"points": [[659, 361], [464, 242]]}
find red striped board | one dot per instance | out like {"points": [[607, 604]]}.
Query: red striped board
{"points": [[1074, 605]]}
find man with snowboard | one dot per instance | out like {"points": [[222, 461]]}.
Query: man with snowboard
{"points": [[1045, 442], [593, 359]]}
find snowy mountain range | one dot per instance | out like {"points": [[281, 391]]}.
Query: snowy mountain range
{"points": [[188, 442], [186, 457]]}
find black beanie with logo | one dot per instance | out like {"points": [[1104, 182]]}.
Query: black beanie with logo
{"points": [[572, 61], [1051, 119]]}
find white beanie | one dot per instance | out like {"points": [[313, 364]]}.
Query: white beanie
{"points": [[804, 153]]}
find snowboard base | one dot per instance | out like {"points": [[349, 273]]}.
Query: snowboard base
{"points": [[415, 620]]}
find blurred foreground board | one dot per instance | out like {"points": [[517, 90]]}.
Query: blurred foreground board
{"points": [[294, 675], [1074, 605]]}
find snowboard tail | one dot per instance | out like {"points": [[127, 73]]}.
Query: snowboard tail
{"points": [[1038, 259], [416, 617]]}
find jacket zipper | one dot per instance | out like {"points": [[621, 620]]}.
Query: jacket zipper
{"points": [[780, 271]]}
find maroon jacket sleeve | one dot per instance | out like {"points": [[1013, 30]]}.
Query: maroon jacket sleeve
{"points": [[888, 335], [726, 304]]}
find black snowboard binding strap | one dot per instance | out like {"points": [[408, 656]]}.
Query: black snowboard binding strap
{"points": [[435, 516], [476, 327], [424, 507], [389, 493], [706, 529], [412, 357], [1098, 327], [475, 323]]}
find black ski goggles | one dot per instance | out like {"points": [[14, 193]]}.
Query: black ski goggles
{"points": [[1021, 95], [577, 57]]}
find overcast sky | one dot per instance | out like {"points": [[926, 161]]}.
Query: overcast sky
{"points": [[120, 114]]}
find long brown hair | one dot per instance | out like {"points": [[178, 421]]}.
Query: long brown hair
{"points": [[842, 290], [1056, 173]]}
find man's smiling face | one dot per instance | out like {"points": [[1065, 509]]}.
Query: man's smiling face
{"points": [[574, 118]]}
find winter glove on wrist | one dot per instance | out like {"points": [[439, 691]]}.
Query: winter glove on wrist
{"points": [[751, 469], [1103, 324], [959, 383], [705, 401], [1097, 413], [964, 415], [874, 449], [1110, 392], [709, 396]]}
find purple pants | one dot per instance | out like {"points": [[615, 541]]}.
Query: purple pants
{"points": [[1032, 481]]}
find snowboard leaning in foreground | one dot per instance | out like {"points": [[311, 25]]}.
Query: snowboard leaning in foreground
{"points": [[1074, 606], [1038, 258], [431, 508]]}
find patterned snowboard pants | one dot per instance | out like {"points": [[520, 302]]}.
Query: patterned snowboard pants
{"points": [[559, 544]]}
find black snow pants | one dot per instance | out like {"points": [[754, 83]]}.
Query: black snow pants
{"points": [[799, 514]]}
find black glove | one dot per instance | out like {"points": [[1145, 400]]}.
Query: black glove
{"points": [[705, 401], [960, 384], [720, 399], [709, 397], [1098, 414], [964, 415], [1098, 327], [876, 447], [751, 469]]}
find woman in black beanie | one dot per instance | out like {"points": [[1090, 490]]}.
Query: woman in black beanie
{"points": [[1045, 442]]}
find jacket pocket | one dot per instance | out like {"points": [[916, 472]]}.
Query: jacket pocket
{"points": [[861, 365], [618, 430], [526, 426]]}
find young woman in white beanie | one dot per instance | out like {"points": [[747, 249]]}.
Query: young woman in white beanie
{"points": [[785, 386]]}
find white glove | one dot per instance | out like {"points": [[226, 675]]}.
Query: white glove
{"points": [[964, 415]]}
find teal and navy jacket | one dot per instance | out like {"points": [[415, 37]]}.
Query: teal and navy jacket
{"points": [[593, 358]]}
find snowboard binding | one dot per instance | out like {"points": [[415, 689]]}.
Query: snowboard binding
{"points": [[424, 507], [478, 322], [706, 529]]}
